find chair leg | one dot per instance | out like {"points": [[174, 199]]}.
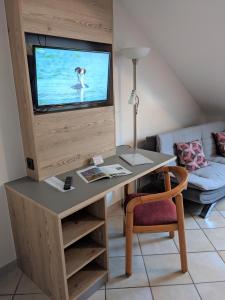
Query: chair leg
{"points": [[167, 182], [124, 226], [181, 232], [171, 234], [129, 240]]}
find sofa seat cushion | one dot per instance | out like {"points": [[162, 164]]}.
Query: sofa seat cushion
{"points": [[204, 197], [153, 213], [209, 178]]}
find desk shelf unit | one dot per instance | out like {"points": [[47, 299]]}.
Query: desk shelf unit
{"points": [[85, 248], [61, 238], [65, 256]]}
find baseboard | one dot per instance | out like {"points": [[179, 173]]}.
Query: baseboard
{"points": [[7, 268]]}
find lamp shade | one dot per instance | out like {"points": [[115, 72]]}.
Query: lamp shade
{"points": [[135, 52]]}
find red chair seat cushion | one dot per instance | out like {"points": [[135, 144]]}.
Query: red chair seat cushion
{"points": [[153, 213]]}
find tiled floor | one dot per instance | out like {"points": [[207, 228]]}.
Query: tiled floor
{"points": [[156, 265]]}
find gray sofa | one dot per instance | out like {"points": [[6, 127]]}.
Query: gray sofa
{"points": [[206, 185]]}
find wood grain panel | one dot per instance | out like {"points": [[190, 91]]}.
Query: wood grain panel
{"points": [[80, 255], [84, 281], [38, 244], [61, 141], [80, 19], [100, 236], [66, 140], [21, 78], [76, 227]]}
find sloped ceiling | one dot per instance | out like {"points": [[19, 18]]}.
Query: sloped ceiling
{"points": [[190, 35]]}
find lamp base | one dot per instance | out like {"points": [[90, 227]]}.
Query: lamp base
{"points": [[135, 159]]}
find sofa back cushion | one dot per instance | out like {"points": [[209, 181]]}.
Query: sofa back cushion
{"points": [[220, 142], [166, 141]]}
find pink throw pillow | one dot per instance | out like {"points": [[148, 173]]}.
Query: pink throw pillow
{"points": [[191, 155], [220, 142]]}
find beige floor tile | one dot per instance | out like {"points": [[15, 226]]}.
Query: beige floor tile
{"points": [[27, 286], [222, 213], [117, 246], [31, 297], [217, 237], [115, 210], [9, 281], [102, 288], [175, 292], [165, 270], [214, 220], [206, 267], [117, 277], [115, 226], [212, 291], [222, 254], [196, 241], [156, 243], [129, 294], [220, 204], [99, 295], [190, 222]]}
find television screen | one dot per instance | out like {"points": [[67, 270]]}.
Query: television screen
{"points": [[65, 76]]}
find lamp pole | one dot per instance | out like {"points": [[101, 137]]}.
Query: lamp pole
{"points": [[135, 106], [135, 54]]}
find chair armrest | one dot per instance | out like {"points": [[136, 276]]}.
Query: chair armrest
{"points": [[181, 175]]}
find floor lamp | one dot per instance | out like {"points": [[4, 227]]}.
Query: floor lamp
{"points": [[135, 54]]}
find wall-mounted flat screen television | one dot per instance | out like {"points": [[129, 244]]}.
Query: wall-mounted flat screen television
{"points": [[67, 78]]}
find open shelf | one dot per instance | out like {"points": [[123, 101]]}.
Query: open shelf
{"points": [[80, 254], [81, 282], [77, 226], [85, 250]]}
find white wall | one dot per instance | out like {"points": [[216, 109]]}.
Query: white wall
{"points": [[190, 35], [11, 152], [164, 102]]}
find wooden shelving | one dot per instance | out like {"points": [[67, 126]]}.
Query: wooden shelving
{"points": [[80, 255], [87, 278], [77, 227], [85, 250]]}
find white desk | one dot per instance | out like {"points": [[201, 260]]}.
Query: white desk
{"points": [[61, 238]]}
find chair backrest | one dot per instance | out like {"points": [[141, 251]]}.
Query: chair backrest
{"points": [[181, 177]]}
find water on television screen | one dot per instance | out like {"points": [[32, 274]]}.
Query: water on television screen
{"points": [[68, 76]]}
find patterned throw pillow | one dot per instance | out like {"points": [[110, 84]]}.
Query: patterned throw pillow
{"points": [[191, 155], [220, 142]]}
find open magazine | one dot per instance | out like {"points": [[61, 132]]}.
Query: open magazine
{"points": [[94, 173]]}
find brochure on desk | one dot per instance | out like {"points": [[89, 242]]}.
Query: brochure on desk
{"points": [[94, 173]]}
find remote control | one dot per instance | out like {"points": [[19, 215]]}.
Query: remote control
{"points": [[68, 182]]}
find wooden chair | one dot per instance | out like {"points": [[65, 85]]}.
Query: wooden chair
{"points": [[157, 213]]}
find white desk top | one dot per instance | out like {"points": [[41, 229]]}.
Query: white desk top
{"points": [[84, 194]]}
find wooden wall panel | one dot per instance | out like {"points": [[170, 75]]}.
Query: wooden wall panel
{"points": [[66, 140], [37, 236], [59, 142], [84, 19], [21, 78]]}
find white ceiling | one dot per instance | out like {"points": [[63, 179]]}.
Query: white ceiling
{"points": [[190, 35]]}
